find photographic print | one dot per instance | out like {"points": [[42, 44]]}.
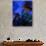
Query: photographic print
{"points": [[22, 13]]}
